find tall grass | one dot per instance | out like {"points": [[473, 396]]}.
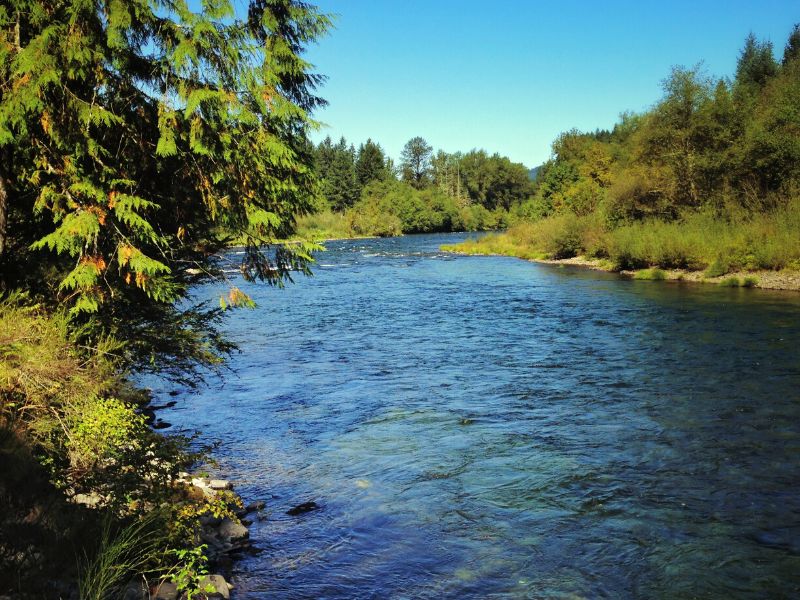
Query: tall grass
{"points": [[128, 552], [698, 241]]}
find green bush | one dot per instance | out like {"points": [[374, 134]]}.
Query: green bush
{"points": [[103, 431]]}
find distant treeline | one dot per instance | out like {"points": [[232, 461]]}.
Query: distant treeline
{"points": [[718, 160], [365, 193]]}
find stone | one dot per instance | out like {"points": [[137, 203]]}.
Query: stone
{"points": [[254, 506], [209, 520], [221, 587], [90, 500], [231, 531], [211, 540], [220, 484], [166, 590], [136, 590], [302, 508]]}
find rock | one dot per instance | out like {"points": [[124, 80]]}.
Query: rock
{"points": [[220, 484], [251, 508], [136, 590], [210, 520], [161, 425], [302, 508], [166, 590], [221, 587], [91, 500], [232, 532], [213, 542], [204, 485]]}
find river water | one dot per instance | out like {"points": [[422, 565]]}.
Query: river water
{"points": [[485, 427]]}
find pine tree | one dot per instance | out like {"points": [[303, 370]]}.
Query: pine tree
{"points": [[370, 163], [756, 64], [792, 50], [136, 137]]}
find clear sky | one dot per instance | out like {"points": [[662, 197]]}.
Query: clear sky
{"points": [[509, 75]]}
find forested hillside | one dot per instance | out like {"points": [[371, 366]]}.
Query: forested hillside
{"points": [[708, 178]]}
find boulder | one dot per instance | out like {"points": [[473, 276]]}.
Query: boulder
{"points": [[200, 482], [254, 506], [220, 484], [209, 520], [231, 531], [221, 587], [166, 590]]}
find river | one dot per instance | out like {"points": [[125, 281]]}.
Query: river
{"points": [[486, 427]]}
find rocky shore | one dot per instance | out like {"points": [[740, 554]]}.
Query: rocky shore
{"points": [[225, 538]]}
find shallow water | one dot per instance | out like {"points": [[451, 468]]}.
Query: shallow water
{"points": [[486, 427]]}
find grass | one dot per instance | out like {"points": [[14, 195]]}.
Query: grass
{"points": [[653, 274], [326, 225], [132, 549], [698, 242], [68, 423], [731, 282]]}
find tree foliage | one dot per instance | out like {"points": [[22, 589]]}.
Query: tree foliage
{"points": [[415, 162], [136, 137], [705, 145]]}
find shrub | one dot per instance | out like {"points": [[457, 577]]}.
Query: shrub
{"points": [[102, 431], [650, 275]]}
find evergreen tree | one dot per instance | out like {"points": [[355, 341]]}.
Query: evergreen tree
{"points": [[756, 64], [792, 50], [134, 137], [341, 186], [370, 163]]}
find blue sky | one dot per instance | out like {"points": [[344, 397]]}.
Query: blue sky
{"points": [[509, 75]]}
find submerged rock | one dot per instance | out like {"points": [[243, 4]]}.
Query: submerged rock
{"points": [[254, 506], [302, 508]]}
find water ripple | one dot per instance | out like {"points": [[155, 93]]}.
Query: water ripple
{"points": [[491, 428]]}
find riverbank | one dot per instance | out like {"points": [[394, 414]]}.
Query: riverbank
{"points": [[784, 279], [94, 500], [761, 250]]}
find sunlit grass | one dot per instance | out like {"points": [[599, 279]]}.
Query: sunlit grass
{"points": [[653, 274], [699, 241]]}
